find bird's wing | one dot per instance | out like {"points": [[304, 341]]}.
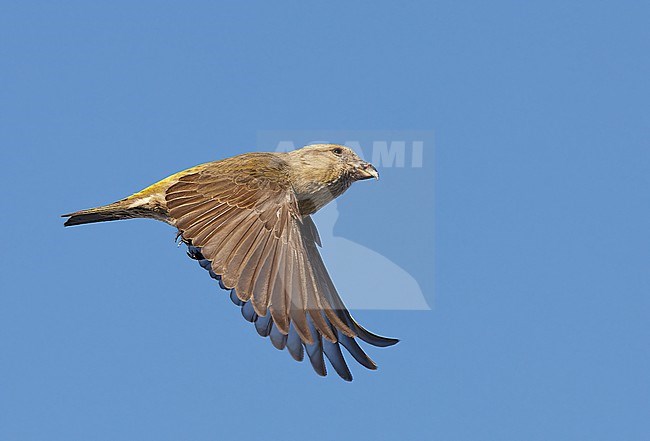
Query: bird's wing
{"points": [[247, 231]]}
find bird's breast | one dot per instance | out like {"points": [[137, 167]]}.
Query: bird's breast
{"points": [[317, 196]]}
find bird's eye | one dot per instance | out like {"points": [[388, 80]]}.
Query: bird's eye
{"points": [[337, 151]]}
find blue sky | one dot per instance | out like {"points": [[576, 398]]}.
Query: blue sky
{"points": [[526, 227]]}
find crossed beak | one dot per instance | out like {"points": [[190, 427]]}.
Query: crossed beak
{"points": [[366, 170]]}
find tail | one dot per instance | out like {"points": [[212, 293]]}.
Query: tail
{"points": [[115, 211]]}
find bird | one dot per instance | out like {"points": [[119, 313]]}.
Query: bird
{"points": [[247, 221]]}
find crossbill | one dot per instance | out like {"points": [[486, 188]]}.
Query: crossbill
{"points": [[246, 219]]}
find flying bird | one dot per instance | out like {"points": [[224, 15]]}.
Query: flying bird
{"points": [[247, 221]]}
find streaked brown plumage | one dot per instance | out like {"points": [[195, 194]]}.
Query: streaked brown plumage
{"points": [[246, 219]]}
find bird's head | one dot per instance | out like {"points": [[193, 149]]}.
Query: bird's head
{"points": [[331, 162], [322, 172]]}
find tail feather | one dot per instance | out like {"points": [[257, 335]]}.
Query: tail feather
{"points": [[116, 211]]}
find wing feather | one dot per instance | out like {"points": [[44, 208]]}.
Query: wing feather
{"points": [[294, 345], [315, 353], [275, 287], [298, 298], [260, 297], [335, 356], [246, 230], [252, 260]]}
